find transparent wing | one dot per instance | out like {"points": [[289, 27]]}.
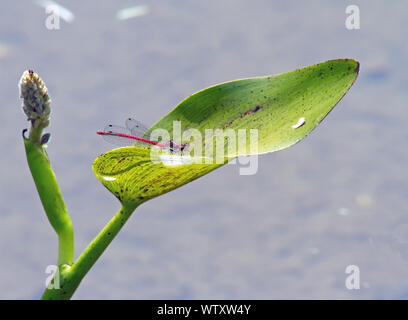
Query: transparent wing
{"points": [[110, 136], [136, 128]]}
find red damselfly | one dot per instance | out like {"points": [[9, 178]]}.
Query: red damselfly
{"points": [[132, 135]]}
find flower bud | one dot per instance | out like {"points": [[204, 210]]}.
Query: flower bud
{"points": [[36, 100]]}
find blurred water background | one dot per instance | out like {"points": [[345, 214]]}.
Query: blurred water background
{"points": [[338, 198]]}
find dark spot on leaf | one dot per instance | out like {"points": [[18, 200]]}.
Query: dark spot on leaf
{"points": [[256, 109]]}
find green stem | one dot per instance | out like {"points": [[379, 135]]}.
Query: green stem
{"points": [[35, 134], [51, 197], [71, 277]]}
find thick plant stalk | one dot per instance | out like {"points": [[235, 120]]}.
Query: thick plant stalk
{"points": [[51, 199], [36, 106], [70, 274], [71, 277]]}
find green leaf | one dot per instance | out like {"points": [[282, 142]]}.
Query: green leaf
{"points": [[284, 108]]}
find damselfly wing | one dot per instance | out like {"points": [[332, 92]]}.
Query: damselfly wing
{"points": [[132, 135]]}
